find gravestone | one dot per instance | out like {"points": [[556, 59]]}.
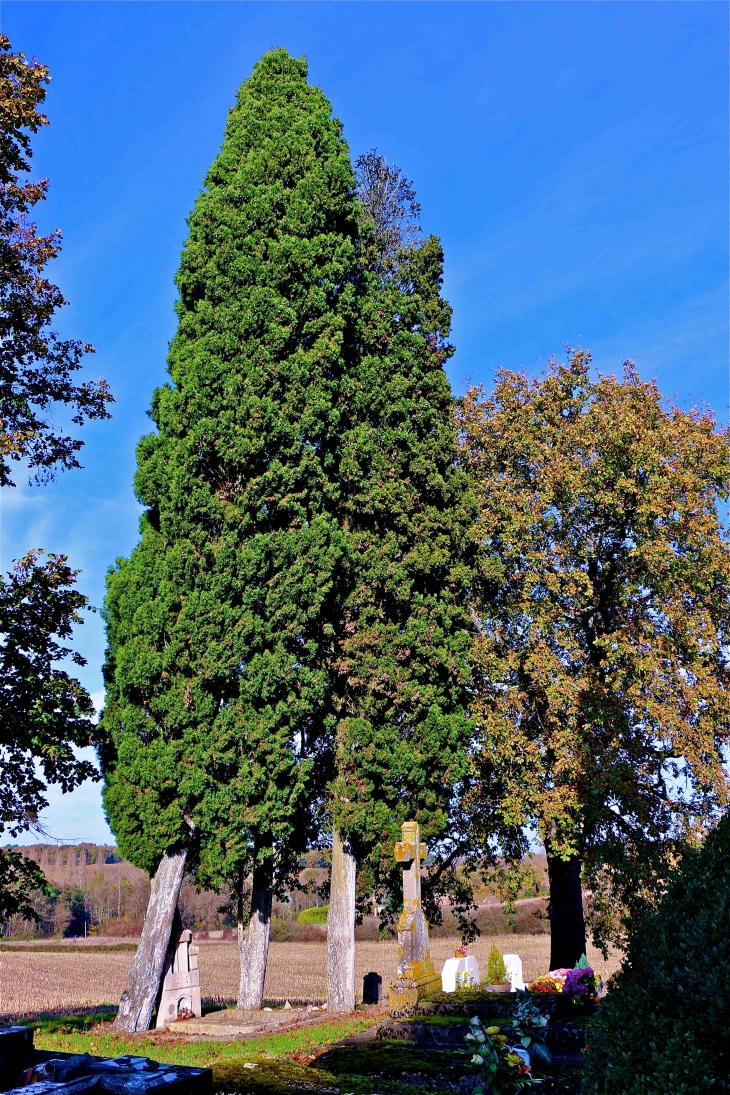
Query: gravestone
{"points": [[372, 988], [513, 965], [416, 975], [462, 971], [180, 981]]}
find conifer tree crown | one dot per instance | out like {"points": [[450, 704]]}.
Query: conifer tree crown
{"points": [[220, 622]]}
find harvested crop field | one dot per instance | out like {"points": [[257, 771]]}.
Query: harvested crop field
{"points": [[33, 981]]}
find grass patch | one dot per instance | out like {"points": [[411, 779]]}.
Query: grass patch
{"points": [[68, 948], [385, 1068], [281, 1060], [69, 1022], [105, 1043], [439, 1020]]}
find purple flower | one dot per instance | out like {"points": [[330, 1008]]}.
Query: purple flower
{"points": [[580, 982]]}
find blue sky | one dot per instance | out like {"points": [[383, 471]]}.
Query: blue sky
{"points": [[573, 157]]}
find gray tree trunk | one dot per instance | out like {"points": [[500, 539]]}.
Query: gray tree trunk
{"points": [[143, 980], [341, 927], [253, 944]]}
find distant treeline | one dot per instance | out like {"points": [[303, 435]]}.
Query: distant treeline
{"points": [[91, 888]]}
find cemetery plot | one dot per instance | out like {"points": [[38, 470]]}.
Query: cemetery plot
{"points": [[32, 982]]}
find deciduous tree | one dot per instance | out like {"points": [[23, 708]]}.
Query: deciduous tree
{"points": [[43, 711], [36, 366], [602, 664]]}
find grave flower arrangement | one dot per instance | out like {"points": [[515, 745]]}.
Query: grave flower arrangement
{"points": [[504, 1069], [549, 982], [580, 982]]}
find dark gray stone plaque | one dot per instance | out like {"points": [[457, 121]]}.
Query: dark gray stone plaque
{"points": [[372, 988]]}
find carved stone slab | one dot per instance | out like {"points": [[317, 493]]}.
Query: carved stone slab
{"points": [[180, 981]]}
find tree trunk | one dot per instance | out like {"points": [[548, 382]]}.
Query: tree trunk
{"points": [[253, 947], [341, 927], [143, 980], [567, 926]]}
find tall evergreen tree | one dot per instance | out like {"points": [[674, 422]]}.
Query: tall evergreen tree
{"points": [[401, 739], [220, 625]]}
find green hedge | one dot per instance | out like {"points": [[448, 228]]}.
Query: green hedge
{"points": [[664, 1028], [316, 915]]}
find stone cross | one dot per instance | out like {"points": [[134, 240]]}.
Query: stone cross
{"points": [[409, 852], [181, 980], [416, 975]]}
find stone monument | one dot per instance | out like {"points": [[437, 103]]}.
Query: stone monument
{"points": [[180, 980], [416, 975], [513, 965], [461, 971]]}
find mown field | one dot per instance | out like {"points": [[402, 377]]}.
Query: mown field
{"points": [[33, 981]]}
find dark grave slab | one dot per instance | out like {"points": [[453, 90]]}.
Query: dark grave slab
{"points": [[566, 1040], [72, 1075], [423, 1034], [16, 1049], [426, 1038], [29, 1072]]}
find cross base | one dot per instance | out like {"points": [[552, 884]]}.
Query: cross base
{"points": [[418, 980]]}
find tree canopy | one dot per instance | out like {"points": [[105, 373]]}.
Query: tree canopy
{"points": [[221, 624], [602, 599], [402, 655]]}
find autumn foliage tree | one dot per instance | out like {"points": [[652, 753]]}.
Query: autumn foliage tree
{"points": [[44, 711], [36, 366], [602, 661]]}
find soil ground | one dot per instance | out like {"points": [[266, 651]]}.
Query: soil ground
{"points": [[32, 981]]}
